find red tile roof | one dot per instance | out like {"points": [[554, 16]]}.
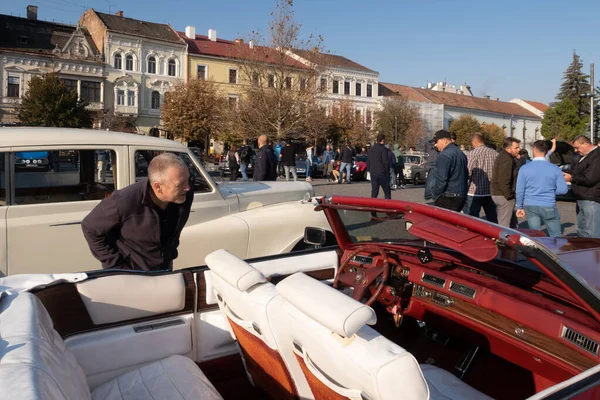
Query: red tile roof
{"points": [[455, 100], [536, 104], [229, 49]]}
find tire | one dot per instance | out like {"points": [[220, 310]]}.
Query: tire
{"points": [[417, 179]]}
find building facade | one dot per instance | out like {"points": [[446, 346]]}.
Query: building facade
{"points": [[143, 61], [30, 47]]}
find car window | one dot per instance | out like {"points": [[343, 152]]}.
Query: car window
{"points": [[412, 159], [56, 176], [142, 159]]}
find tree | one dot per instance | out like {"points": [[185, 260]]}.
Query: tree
{"points": [[195, 110], [346, 123], [492, 134], [575, 83], [397, 110], [562, 121], [464, 127], [278, 91], [48, 102]]}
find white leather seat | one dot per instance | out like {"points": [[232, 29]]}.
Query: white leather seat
{"points": [[35, 363], [243, 295], [324, 332]]}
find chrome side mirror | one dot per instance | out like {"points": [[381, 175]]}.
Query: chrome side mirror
{"points": [[315, 236]]}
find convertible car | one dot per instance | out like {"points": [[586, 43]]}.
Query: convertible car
{"points": [[414, 302]]}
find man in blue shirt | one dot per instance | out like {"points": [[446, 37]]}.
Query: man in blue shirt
{"points": [[538, 183]]}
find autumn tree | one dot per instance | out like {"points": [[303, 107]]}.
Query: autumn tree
{"points": [[397, 111], [346, 123], [278, 90], [562, 121], [48, 102], [492, 134], [464, 126], [195, 110], [575, 83]]}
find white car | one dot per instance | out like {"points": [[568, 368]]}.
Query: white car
{"points": [[41, 209], [415, 167]]}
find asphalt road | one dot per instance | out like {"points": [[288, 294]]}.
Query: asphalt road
{"points": [[415, 194]]}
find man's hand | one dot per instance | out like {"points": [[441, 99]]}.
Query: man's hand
{"points": [[521, 213], [568, 177]]}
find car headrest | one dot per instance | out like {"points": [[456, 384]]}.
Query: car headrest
{"points": [[233, 270], [325, 305]]}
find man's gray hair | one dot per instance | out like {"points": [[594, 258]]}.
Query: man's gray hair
{"points": [[157, 170], [582, 139]]}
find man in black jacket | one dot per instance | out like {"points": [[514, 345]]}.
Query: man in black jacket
{"points": [[504, 182], [138, 227], [346, 155], [585, 183], [265, 166], [449, 188], [378, 165]]}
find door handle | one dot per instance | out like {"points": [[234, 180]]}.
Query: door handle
{"points": [[67, 223]]}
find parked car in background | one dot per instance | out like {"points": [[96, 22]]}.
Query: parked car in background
{"points": [[31, 160], [317, 168], [416, 167], [359, 168]]}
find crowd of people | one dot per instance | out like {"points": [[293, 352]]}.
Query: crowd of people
{"points": [[508, 185]]}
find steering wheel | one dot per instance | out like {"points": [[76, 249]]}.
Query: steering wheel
{"points": [[362, 277]]}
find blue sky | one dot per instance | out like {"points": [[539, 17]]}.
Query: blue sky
{"points": [[503, 49]]}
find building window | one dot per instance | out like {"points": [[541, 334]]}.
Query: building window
{"points": [[255, 78], [369, 90], [201, 71], [288, 82], [233, 101], [130, 98], [13, 86], [346, 87], [118, 64], [71, 84], [358, 89], [271, 82], [90, 91], [357, 115], [323, 84], [151, 65], [302, 83], [120, 97], [155, 100], [369, 118], [232, 75], [336, 87], [129, 63], [172, 68]]}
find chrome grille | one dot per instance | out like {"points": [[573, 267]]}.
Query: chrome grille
{"points": [[580, 340], [434, 280], [363, 260], [462, 290]]}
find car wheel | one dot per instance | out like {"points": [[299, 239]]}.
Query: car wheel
{"points": [[416, 179]]}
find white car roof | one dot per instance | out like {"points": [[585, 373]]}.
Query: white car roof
{"points": [[34, 136]]}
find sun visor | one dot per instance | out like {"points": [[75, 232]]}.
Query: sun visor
{"points": [[471, 244]]}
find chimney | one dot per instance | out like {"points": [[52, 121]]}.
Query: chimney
{"points": [[119, 14], [251, 43], [32, 12], [190, 32], [497, 98], [429, 85], [212, 35], [486, 97]]}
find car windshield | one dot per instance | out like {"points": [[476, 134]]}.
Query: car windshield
{"points": [[412, 160], [360, 158]]}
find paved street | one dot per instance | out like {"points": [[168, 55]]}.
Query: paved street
{"points": [[415, 194]]}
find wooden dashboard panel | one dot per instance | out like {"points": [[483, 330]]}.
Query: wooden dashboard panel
{"points": [[530, 337]]}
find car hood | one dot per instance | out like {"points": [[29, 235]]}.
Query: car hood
{"points": [[580, 254], [258, 194]]}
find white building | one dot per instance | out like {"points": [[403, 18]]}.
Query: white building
{"points": [[30, 47], [534, 106], [443, 86], [344, 79], [143, 60]]}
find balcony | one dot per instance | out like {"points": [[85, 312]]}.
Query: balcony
{"points": [[11, 100], [126, 110], [95, 106]]}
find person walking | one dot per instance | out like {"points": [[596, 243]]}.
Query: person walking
{"points": [[288, 159], [480, 163], [138, 227], [392, 164], [449, 189], [265, 168], [309, 162], [233, 159], [329, 160], [585, 183], [378, 165], [346, 155], [538, 184], [245, 154], [504, 181]]}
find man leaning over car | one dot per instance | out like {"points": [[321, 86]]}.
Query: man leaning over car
{"points": [[585, 183], [138, 227]]}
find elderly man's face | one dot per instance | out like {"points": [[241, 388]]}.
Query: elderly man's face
{"points": [[175, 187], [582, 148]]}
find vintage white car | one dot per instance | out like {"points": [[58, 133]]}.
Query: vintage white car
{"points": [[415, 167], [41, 209]]}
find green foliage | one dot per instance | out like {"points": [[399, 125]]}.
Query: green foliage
{"points": [[561, 121], [493, 134], [575, 83], [397, 110], [48, 102], [464, 127]]}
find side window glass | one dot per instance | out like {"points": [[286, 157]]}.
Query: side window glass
{"points": [[58, 176], [142, 159]]}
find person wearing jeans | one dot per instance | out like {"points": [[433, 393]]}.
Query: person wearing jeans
{"points": [[538, 184], [585, 183], [346, 156], [480, 163]]}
